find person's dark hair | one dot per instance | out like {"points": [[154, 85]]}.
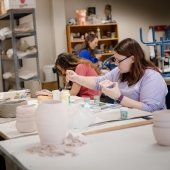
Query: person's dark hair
{"points": [[89, 38], [69, 61], [128, 47]]}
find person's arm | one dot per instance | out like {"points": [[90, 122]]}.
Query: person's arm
{"points": [[151, 97], [89, 82], [75, 89], [127, 102], [114, 93]]}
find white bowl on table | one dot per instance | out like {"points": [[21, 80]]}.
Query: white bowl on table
{"points": [[162, 135], [163, 124], [163, 115]]}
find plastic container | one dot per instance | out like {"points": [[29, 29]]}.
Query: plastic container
{"points": [[65, 96], [123, 113]]}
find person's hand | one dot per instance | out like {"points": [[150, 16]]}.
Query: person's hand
{"points": [[44, 92], [98, 56], [71, 75], [106, 83], [111, 89]]}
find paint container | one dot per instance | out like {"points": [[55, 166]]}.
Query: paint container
{"points": [[96, 100], [123, 113]]}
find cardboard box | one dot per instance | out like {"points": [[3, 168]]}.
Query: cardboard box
{"points": [[15, 4]]}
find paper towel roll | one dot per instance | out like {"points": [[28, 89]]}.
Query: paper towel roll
{"points": [[25, 118]]}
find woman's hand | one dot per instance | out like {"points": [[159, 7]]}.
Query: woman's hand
{"points": [[110, 89], [71, 76], [106, 83], [44, 92], [98, 56]]}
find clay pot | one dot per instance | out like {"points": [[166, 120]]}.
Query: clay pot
{"points": [[161, 127], [162, 135], [52, 120], [25, 118]]}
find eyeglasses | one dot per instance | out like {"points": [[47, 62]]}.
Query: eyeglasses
{"points": [[119, 61]]}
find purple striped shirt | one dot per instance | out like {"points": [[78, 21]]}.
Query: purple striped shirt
{"points": [[151, 89]]}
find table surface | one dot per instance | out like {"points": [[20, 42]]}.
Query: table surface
{"points": [[8, 126], [130, 149]]}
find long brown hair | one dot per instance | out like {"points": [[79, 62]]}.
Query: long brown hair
{"points": [[130, 47], [89, 38], [69, 61]]}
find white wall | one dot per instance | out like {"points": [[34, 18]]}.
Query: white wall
{"points": [[52, 16], [59, 25], [130, 15], [46, 40], [45, 33]]}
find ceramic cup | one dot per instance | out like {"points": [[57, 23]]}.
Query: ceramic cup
{"points": [[56, 95]]}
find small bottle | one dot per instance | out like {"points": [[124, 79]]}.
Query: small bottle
{"points": [[98, 33]]}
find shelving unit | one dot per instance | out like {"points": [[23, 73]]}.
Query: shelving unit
{"points": [[12, 18], [108, 32]]}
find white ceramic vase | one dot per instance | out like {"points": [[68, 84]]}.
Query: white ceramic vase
{"points": [[52, 120], [25, 118]]}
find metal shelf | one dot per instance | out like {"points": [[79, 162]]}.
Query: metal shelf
{"points": [[32, 78], [13, 17], [17, 13]]}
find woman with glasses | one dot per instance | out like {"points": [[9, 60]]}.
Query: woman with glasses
{"points": [[135, 82]]}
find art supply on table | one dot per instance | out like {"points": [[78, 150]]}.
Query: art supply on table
{"points": [[96, 100], [56, 94], [123, 113], [87, 102], [65, 96]]}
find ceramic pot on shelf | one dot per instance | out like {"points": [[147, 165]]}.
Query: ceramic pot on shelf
{"points": [[52, 120]]}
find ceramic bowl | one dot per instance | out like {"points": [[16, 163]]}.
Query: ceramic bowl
{"points": [[161, 116], [163, 124], [162, 135]]}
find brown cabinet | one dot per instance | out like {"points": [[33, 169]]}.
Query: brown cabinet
{"points": [[108, 37]]}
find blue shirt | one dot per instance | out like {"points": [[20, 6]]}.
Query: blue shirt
{"points": [[151, 89], [84, 53]]}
